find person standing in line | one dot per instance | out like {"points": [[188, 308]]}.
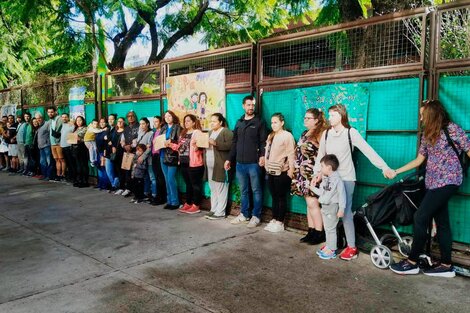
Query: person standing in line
{"points": [[20, 138], [145, 137], [248, 147], [279, 165], [332, 197], [28, 138], [305, 154], [191, 163], [442, 142], [220, 142], [44, 145], [110, 154], [12, 144], [169, 159], [156, 164], [55, 128], [80, 153], [68, 168], [128, 143], [101, 144], [340, 140]]}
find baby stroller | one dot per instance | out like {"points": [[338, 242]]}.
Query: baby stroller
{"points": [[397, 204]]}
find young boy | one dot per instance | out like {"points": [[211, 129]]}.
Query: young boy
{"points": [[139, 171], [332, 197], [90, 142]]}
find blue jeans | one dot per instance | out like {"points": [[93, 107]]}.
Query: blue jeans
{"points": [[150, 182], [102, 176], [249, 175], [170, 177], [348, 218], [45, 159], [112, 177]]}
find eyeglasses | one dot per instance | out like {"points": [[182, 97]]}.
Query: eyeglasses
{"points": [[308, 118]]}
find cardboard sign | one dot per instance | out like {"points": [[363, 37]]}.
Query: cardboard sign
{"points": [[202, 140], [159, 142], [127, 159], [72, 138]]}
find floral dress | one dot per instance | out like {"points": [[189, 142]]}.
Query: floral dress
{"points": [[305, 154]]}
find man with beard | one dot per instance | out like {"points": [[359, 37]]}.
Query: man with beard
{"points": [[249, 140]]}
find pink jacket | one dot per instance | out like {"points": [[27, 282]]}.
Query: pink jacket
{"points": [[196, 155]]}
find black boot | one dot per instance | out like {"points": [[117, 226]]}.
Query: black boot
{"points": [[319, 237], [309, 234]]}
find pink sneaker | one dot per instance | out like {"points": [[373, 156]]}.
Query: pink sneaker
{"points": [[193, 209], [349, 253], [185, 208]]}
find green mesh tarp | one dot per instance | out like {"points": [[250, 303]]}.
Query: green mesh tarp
{"points": [[141, 108]]}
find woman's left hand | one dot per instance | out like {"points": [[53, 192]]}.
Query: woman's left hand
{"points": [[389, 173]]}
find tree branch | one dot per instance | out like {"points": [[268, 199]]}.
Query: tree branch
{"points": [[186, 30]]}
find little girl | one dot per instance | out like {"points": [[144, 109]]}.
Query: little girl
{"points": [[90, 142]]}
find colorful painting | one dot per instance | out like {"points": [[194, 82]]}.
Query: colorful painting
{"points": [[77, 102], [201, 94]]}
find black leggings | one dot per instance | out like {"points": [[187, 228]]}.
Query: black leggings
{"points": [[80, 154], [157, 170], [434, 205], [280, 188], [193, 178]]}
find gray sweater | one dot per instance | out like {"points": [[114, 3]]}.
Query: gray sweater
{"points": [[43, 136], [332, 191]]}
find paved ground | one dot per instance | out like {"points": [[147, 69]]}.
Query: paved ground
{"points": [[64, 249]]}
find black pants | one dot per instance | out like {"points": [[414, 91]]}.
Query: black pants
{"points": [[193, 178], [136, 185], [81, 157], [71, 169], [157, 170], [434, 205], [280, 188]]}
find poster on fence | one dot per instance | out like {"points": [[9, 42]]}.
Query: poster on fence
{"points": [[354, 96], [77, 102], [201, 94], [8, 109]]}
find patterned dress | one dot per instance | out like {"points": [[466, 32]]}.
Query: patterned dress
{"points": [[305, 154]]}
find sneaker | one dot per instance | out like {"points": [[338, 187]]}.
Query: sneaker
{"points": [[119, 192], [440, 271], [185, 208], [209, 214], [349, 253], [215, 217], [171, 207], [192, 210], [327, 254], [319, 251], [276, 228], [240, 219], [269, 226], [254, 221], [126, 193], [404, 267]]}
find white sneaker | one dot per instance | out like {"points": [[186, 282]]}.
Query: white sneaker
{"points": [[268, 227], [119, 192], [239, 220], [276, 228], [126, 192], [254, 221]]}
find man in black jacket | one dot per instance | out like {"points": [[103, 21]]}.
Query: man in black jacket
{"points": [[249, 140]]}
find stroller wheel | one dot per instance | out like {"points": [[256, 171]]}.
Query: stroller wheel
{"points": [[388, 240], [405, 245], [381, 256]]}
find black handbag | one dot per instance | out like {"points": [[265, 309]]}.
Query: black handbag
{"points": [[171, 157], [463, 157]]}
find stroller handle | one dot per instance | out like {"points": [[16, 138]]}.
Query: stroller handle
{"points": [[416, 173]]}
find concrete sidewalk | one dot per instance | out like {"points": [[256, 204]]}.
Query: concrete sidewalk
{"points": [[64, 249]]}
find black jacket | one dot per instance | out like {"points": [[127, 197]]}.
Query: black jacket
{"points": [[249, 140]]}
